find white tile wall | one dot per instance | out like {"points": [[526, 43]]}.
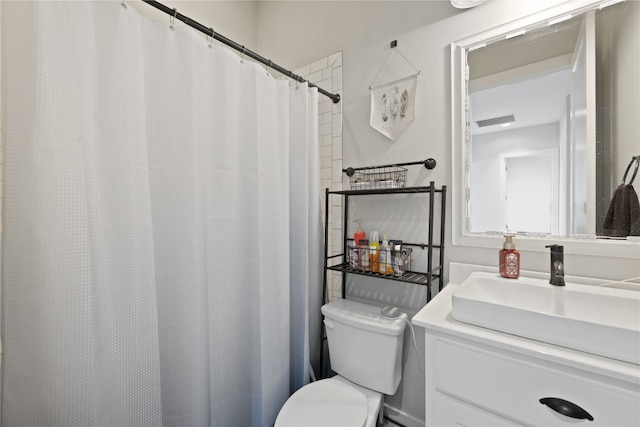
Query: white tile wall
{"points": [[327, 74]]}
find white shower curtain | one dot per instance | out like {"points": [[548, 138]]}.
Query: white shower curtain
{"points": [[147, 215]]}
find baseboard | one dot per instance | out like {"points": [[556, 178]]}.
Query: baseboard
{"points": [[402, 418]]}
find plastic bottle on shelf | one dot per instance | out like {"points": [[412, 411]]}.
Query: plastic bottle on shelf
{"points": [[359, 234], [354, 257], [397, 263], [384, 257], [374, 252], [364, 255]]}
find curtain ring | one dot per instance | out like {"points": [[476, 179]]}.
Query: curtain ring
{"points": [[242, 57], [172, 19], [122, 5]]}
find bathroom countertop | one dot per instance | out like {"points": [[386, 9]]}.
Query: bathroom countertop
{"points": [[436, 318]]}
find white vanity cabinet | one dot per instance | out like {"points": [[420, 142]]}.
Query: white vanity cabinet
{"points": [[479, 377]]}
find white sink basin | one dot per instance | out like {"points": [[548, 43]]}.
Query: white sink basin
{"points": [[605, 322]]}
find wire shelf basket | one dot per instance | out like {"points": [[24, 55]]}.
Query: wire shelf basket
{"points": [[366, 258], [379, 178]]}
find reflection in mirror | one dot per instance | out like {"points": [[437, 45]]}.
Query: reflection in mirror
{"points": [[553, 122]]}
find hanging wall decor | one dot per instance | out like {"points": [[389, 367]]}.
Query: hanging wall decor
{"points": [[393, 106], [393, 103]]}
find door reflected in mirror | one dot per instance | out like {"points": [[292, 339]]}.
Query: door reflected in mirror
{"points": [[553, 122]]}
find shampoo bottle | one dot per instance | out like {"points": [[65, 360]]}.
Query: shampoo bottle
{"points": [[509, 258], [374, 252]]}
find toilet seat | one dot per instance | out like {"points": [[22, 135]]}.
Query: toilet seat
{"points": [[326, 403]]}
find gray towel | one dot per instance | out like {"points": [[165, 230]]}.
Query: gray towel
{"points": [[623, 216]]}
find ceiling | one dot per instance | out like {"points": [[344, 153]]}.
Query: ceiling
{"points": [[539, 100]]}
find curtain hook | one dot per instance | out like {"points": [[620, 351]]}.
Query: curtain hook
{"points": [[213, 36], [122, 5], [172, 19], [294, 77], [242, 57]]}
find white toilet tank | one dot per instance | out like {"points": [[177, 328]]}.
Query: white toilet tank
{"points": [[365, 347]]}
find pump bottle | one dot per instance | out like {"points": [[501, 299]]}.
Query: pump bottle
{"points": [[384, 261], [509, 258], [359, 234]]}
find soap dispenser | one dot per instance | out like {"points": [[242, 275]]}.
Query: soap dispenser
{"points": [[359, 234], [509, 258], [384, 261]]}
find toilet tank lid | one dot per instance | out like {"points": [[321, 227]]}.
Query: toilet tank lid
{"points": [[363, 316]]}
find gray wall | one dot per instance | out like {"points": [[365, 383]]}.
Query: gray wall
{"points": [[236, 20], [485, 167], [627, 67], [297, 32]]}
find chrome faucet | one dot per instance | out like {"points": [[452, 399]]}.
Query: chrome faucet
{"points": [[557, 265]]}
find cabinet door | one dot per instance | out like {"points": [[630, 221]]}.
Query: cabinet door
{"points": [[513, 388], [455, 413]]}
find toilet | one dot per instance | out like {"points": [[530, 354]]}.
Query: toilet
{"points": [[365, 348]]}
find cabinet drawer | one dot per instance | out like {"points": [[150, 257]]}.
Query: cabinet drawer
{"points": [[512, 388], [452, 412]]}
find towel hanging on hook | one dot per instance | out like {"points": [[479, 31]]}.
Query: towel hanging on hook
{"points": [[623, 216]]}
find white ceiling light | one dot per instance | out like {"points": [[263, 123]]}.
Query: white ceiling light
{"points": [[465, 4]]}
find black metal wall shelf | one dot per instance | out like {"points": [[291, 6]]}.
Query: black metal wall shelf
{"points": [[434, 272], [414, 277], [403, 190], [386, 175]]}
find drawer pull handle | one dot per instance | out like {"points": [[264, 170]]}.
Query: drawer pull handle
{"points": [[566, 408]]}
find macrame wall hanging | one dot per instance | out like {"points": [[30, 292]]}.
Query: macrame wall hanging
{"points": [[393, 103]]}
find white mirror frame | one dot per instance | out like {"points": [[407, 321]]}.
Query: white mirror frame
{"points": [[629, 248]]}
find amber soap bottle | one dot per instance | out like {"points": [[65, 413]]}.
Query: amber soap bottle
{"points": [[509, 258]]}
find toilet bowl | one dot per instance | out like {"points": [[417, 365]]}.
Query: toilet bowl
{"points": [[365, 349], [333, 402]]}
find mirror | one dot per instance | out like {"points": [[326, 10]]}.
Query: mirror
{"points": [[547, 142], [553, 97]]}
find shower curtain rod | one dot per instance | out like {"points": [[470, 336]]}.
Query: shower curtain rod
{"points": [[209, 31]]}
